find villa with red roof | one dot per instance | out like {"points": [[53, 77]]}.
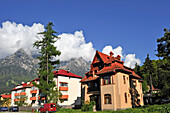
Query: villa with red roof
{"points": [[67, 82], [25, 92], [111, 85]]}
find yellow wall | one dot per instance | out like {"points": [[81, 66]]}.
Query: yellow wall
{"points": [[117, 90]]}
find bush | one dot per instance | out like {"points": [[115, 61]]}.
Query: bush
{"points": [[88, 106]]}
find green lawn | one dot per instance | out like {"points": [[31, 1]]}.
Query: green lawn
{"points": [[165, 108]]}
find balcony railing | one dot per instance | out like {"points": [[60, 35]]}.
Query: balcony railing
{"points": [[23, 93], [16, 94], [93, 89], [16, 100], [64, 97], [63, 88], [33, 98], [33, 91]]}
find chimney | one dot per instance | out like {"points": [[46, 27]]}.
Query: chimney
{"points": [[111, 53], [68, 70], [118, 57]]}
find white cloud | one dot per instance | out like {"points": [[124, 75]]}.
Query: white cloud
{"points": [[116, 51], [74, 46], [15, 36], [129, 59]]}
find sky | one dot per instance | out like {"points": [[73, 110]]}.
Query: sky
{"points": [[129, 28]]}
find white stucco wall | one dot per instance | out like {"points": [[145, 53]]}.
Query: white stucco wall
{"points": [[74, 89]]}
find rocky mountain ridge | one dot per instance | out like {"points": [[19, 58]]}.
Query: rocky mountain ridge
{"points": [[21, 66]]}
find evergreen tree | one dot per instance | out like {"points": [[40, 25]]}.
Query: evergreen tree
{"points": [[46, 62], [163, 65], [163, 46], [147, 70]]}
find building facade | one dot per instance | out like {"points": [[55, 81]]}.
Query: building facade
{"points": [[111, 85], [67, 83], [70, 87], [25, 92]]}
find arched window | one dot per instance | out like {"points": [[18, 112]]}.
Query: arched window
{"points": [[125, 97], [107, 99]]}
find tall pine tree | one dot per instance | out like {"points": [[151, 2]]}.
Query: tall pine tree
{"points": [[163, 49], [46, 62]]}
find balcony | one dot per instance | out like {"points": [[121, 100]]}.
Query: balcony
{"points": [[41, 98], [16, 100], [33, 98], [93, 89], [63, 88], [64, 97], [23, 93], [33, 91], [16, 94]]}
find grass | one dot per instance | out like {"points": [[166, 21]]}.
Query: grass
{"points": [[165, 108]]}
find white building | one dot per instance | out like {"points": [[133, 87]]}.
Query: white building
{"points": [[26, 92], [70, 86], [67, 82]]}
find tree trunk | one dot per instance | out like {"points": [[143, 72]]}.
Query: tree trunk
{"points": [[47, 68]]}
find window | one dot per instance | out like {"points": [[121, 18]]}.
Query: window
{"points": [[125, 97], [107, 99], [33, 88], [62, 84], [106, 80], [95, 84], [23, 90], [88, 84], [124, 79]]}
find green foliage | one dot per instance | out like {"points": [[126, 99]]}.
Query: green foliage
{"points": [[5, 102], [144, 86], [87, 106], [46, 62], [165, 108], [163, 46], [8, 81]]}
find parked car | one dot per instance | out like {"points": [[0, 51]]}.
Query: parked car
{"points": [[13, 108], [4, 109], [51, 107]]}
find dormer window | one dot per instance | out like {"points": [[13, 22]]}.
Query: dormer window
{"points": [[106, 80]]}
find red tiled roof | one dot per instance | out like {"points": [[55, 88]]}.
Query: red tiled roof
{"points": [[66, 73], [135, 75], [85, 79], [103, 56], [24, 85], [6, 96], [114, 66], [154, 88]]}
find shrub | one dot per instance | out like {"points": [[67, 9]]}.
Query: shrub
{"points": [[87, 106]]}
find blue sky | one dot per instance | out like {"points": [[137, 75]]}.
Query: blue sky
{"points": [[133, 25]]}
